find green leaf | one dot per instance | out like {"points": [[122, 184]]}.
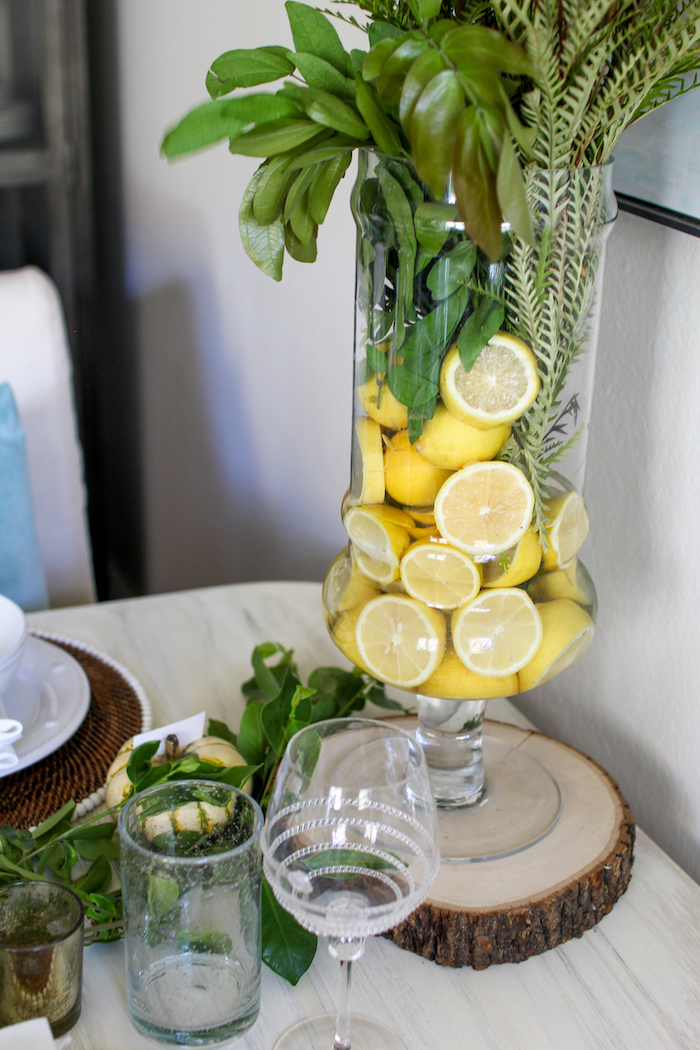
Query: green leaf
{"points": [[510, 188], [452, 270], [379, 698], [246, 68], [218, 120], [396, 67], [313, 34], [435, 118], [297, 191], [376, 359], [163, 893], [304, 253], [308, 753], [271, 720], [287, 948], [276, 136], [474, 46], [251, 737], [478, 329], [301, 223], [272, 185], [383, 129], [96, 878], [91, 849], [324, 184], [321, 74], [237, 776], [331, 112], [212, 941], [434, 223], [382, 31], [264, 244], [51, 823], [379, 53], [105, 830], [222, 731], [425, 67], [475, 186]]}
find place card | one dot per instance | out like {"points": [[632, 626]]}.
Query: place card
{"points": [[187, 730]]}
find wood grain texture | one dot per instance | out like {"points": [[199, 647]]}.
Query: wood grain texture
{"points": [[511, 908]]}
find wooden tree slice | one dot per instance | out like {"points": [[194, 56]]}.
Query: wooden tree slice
{"points": [[511, 908]]}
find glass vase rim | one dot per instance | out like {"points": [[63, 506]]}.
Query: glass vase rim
{"points": [[49, 942], [192, 862], [603, 166]]}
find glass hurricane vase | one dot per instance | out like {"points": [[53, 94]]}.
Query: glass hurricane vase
{"points": [[473, 378]]}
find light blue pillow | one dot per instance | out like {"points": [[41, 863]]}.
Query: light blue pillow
{"points": [[21, 573]]}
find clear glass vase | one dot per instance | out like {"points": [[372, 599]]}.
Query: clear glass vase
{"points": [[473, 379]]}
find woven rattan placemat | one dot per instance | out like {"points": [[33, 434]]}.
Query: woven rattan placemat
{"points": [[78, 768]]}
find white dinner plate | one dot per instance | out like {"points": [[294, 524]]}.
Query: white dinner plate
{"points": [[50, 696]]}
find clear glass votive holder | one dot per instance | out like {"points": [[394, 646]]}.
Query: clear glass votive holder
{"points": [[41, 954], [191, 881]]}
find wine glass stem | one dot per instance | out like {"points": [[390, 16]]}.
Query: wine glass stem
{"points": [[342, 1023]]}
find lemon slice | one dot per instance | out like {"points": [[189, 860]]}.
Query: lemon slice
{"points": [[380, 540], [485, 508], [393, 514], [408, 477], [345, 586], [502, 383], [439, 575], [379, 570], [381, 405], [400, 640], [574, 582], [515, 565], [453, 681], [369, 461], [423, 515], [567, 529], [343, 633], [448, 442], [567, 632], [497, 633]]}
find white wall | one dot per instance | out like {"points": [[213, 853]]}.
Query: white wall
{"points": [[246, 400]]}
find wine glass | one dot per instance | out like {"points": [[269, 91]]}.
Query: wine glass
{"points": [[350, 850]]}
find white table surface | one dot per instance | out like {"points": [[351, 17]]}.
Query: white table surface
{"points": [[631, 982]]}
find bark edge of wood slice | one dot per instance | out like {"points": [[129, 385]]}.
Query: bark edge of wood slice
{"points": [[509, 909]]}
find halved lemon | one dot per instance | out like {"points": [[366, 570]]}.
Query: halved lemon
{"points": [[449, 443], [378, 542], [379, 570], [485, 508], [567, 632], [514, 566], [409, 478], [440, 575], [380, 404], [453, 681], [567, 529], [497, 633], [343, 633], [574, 582], [502, 383], [369, 460], [400, 640], [345, 586]]}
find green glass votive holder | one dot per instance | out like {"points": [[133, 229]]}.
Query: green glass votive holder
{"points": [[41, 954]]}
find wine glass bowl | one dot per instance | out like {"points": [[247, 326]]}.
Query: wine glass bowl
{"points": [[350, 842]]}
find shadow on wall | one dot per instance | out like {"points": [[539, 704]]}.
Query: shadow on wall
{"points": [[631, 702], [206, 518]]}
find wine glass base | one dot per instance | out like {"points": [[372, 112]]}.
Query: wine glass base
{"points": [[318, 1033], [521, 804]]}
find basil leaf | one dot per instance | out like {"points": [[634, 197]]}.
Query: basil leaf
{"points": [[222, 731], [313, 34], [264, 244], [246, 68], [433, 124], [251, 736], [381, 126], [287, 948], [324, 185], [275, 136], [478, 329], [163, 893], [321, 74]]}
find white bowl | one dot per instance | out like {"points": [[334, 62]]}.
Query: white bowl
{"points": [[13, 638]]}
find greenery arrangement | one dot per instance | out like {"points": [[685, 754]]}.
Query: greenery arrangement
{"points": [[469, 103], [277, 705]]}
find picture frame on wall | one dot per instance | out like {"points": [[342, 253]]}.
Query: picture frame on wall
{"points": [[657, 165]]}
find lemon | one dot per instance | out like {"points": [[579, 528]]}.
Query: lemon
{"points": [[408, 477], [567, 529], [400, 640], [567, 632], [497, 633], [378, 542], [439, 575], [343, 633], [502, 383], [453, 681], [345, 586], [448, 442], [423, 532], [381, 405], [485, 508], [368, 459], [386, 512], [574, 582], [422, 515], [515, 565]]}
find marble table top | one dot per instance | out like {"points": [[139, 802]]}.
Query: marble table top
{"points": [[631, 982]]}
